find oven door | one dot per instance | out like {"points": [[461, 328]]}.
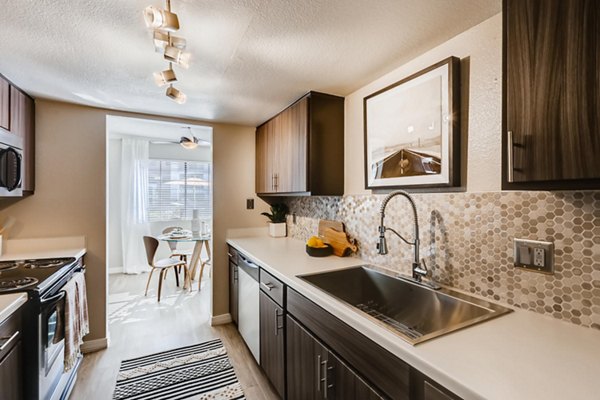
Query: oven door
{"points": [[52, 343]]}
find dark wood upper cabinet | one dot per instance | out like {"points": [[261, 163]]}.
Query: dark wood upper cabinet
{"points": [[4, 104], [551, 101], [22, 121], [301, 149]]}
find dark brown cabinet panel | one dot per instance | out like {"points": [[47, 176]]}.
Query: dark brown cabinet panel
{"points": [[345, 384], [11, 358], [22, 124], [233, 292], [301, 149], [272, 343], [314, 372], [4, 104], [306, 360], [551, 133], [11, 376]]}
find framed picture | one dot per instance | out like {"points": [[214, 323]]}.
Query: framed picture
{"points": [[412, 130]]}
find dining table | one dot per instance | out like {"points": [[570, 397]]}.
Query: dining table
{"points": [[200, 241]]}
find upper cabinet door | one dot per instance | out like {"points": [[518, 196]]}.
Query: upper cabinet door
{"points": [[4, 104], [263, 182], [551, 133], [293, 149]]}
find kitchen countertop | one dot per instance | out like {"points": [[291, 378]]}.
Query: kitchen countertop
{"points": [[9, 303], [521, 355], [36, 248]]}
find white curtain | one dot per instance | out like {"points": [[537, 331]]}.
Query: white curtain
{"points": [[134, 204]]}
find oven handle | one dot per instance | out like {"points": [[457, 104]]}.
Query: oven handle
{"points": [[50, 301]]}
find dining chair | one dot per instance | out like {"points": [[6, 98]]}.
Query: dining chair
{"points": [[163, 265]]}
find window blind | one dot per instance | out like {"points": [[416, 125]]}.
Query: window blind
{"points": [[178, 187]]}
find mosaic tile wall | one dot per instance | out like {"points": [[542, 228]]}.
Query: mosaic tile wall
{"points": [[466, 240]]}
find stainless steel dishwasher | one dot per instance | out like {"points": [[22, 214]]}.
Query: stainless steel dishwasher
{"points": [[248, 305]]}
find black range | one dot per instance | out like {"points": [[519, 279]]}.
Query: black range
{"points": [[43, 336]]}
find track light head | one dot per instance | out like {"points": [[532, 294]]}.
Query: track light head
{"points": [[157, 18], [176, 95], [177, 56], [165, 77]]}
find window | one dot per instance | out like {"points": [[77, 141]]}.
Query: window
{"points": [[178, 187]]}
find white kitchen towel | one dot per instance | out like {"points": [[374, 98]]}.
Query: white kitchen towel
{"points": [[76, 317]]}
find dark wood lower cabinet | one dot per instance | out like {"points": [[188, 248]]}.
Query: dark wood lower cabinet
{"points": [[11, 358], [11, 377], [272, 344], [314, 372], [233, 292]]}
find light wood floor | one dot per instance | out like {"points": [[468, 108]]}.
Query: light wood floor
{"points": [[140, 325]]}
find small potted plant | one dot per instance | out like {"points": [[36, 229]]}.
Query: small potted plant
{"points": [[277, 226]]}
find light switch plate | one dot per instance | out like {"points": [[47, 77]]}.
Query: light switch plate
{"points": [[534, 255]]}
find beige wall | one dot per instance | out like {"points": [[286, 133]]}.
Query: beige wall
{"points": [[70, 192], [480, 49]]}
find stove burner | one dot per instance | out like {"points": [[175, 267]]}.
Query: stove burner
{"points": [[49, 263], [8, 284], [6, 265]]}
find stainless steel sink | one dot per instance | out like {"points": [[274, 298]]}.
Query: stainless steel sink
{"points": [[414, 312]]}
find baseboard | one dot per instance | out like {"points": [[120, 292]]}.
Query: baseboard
{"points": [[220, 319], [90, 346], [115, 270]]}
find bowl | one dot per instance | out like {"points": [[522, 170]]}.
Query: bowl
{"points": [[319, 251]]}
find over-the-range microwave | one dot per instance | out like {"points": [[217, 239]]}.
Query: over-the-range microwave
{"points": [[11, 165]]}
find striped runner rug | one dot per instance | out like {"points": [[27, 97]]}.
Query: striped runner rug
{"points": [[201, 371]]}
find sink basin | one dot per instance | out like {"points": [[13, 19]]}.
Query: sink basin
{"points": [[414, 312]]}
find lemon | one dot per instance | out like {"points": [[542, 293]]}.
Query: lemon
{"points": [[314, 241]]}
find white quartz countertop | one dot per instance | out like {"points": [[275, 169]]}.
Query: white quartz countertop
{"points": [[518, 356], [36, 248], [9, 303]]}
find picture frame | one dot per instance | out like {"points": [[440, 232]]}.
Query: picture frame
{"points": [[412, 130]]}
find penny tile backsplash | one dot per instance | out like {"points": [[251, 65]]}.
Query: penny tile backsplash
{"points": [[467, 243]]}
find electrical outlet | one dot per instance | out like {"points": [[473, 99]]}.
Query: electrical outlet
{"points": [[538, 257], [249, 204], [534, 255]]}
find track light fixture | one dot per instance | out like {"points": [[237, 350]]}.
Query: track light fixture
{"points": [[163, 22], [165, 77], [177, 56], [157, 18], [176, 95]]}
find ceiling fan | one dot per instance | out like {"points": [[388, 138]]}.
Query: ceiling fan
{"points": [[188, 141]]}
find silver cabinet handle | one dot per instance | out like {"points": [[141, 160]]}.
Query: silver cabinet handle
{"points": [[10, 339], [269, 286], [325, 385], [510, 156], [277, 326], [318, 373]]}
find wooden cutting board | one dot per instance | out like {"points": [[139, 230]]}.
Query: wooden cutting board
{"points": [[325, 223], [342, 247]]}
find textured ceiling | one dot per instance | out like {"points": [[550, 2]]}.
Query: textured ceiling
{"points": [[251, 58]]}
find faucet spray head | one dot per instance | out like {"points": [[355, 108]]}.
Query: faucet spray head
{"points": [[382, 244]]}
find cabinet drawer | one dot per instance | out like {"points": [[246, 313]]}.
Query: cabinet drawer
{"points": [[10, 333], [233, 254], [272, 286]]}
